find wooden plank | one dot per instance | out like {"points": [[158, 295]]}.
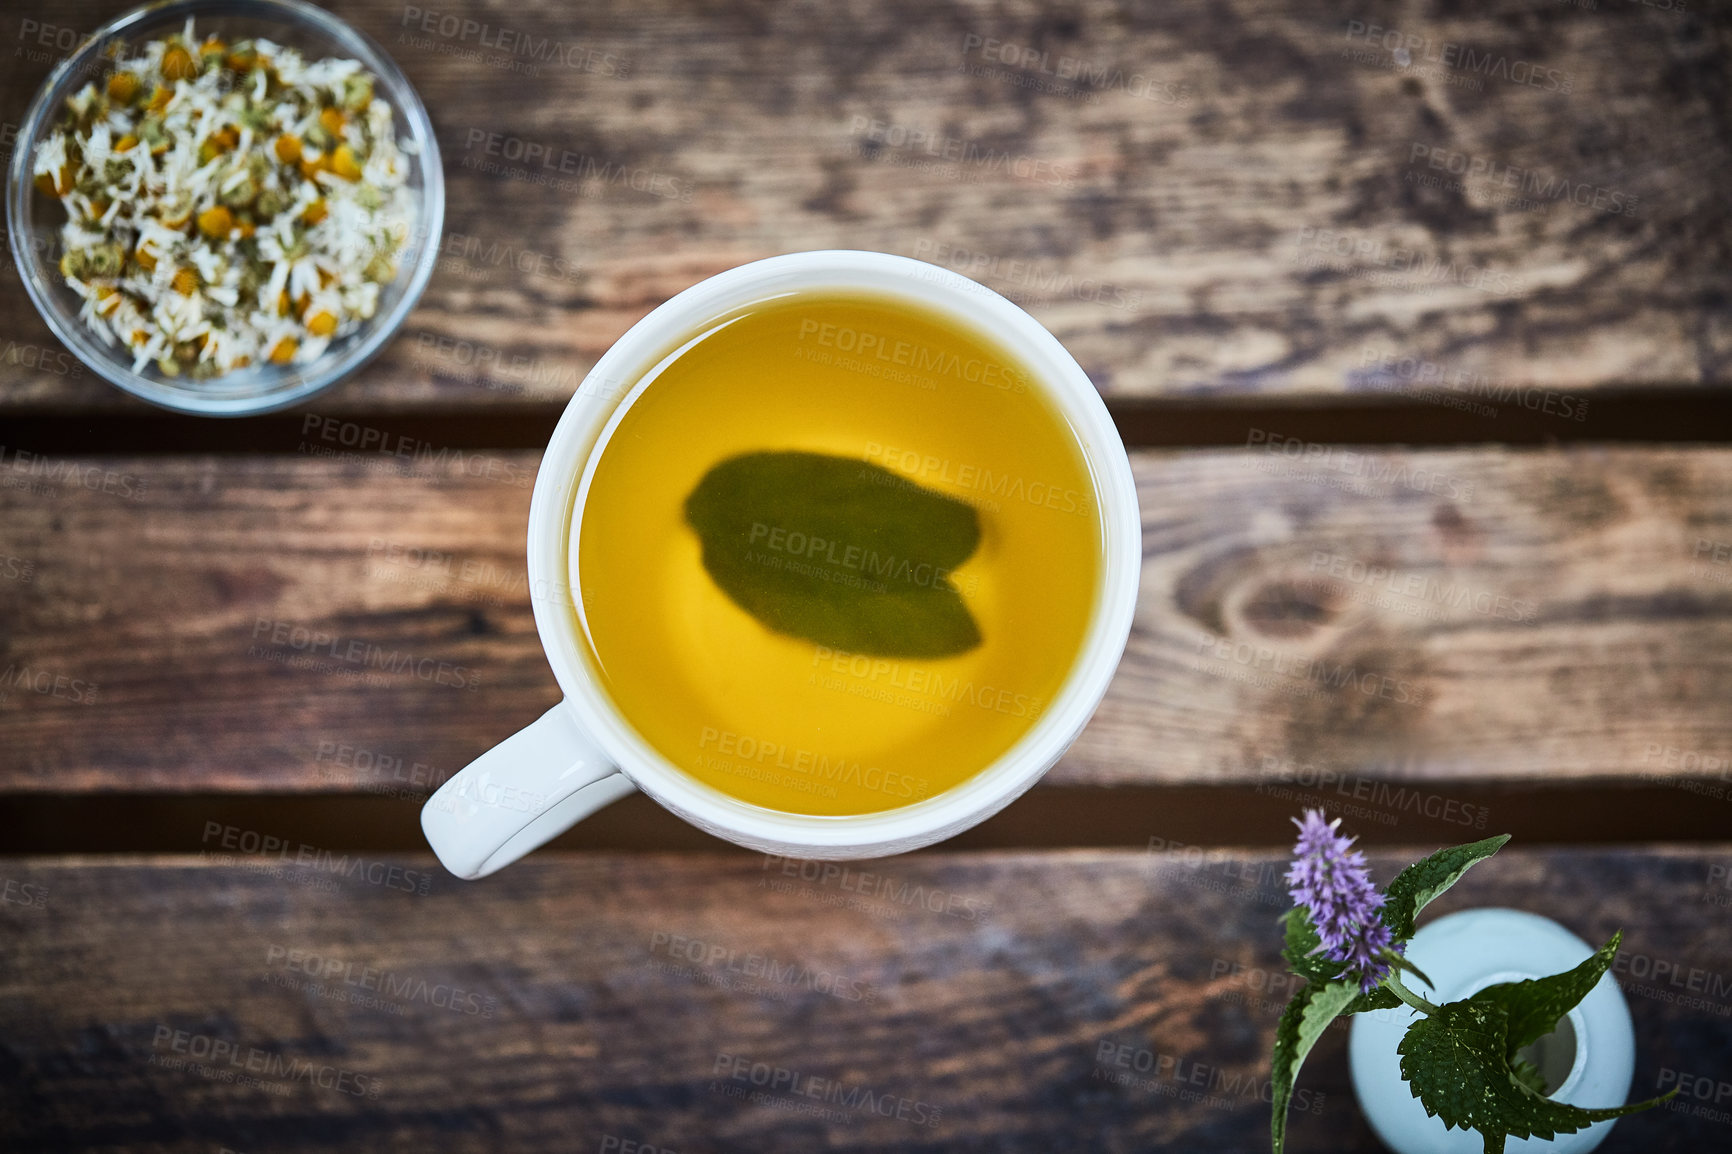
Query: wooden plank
{"points": [[1197, 197], [360, 622], [573, 998]]}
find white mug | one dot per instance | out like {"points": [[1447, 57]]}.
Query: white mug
{"points": [[583, 754]]}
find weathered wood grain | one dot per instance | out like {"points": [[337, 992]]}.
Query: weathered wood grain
{"points": [[363, 622], [985, 1006], [1197, 197]]}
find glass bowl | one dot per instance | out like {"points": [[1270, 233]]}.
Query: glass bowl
{"points": [[36, 219]]}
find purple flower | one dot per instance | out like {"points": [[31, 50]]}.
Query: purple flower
{"points": [[1328, 877]]}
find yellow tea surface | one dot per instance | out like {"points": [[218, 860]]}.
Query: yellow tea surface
{"points": [[975, 602]]}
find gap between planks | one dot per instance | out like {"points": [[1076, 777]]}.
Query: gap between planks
{"points": [[1048, 818], [1654, 415]]}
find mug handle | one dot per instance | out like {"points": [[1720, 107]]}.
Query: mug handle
{"points": [[522, 793]]}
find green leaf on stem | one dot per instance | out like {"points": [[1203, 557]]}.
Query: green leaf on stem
{"points": [[1302, 946], [1528, 1075], [1415, 887], [1534, 1006], [1302, 1023], [1456, 1063], [1380, 998], [1300, 952]]}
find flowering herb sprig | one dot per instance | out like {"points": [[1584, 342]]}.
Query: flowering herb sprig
{"points": [[1330, 880], [1461, 1059]]}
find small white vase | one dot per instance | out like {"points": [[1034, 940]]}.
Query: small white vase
{"points": [[1590, 1058]]}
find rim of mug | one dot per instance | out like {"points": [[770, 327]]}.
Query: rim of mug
{"points": [[601, 402]]}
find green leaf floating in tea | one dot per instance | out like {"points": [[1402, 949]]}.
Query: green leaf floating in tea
{"points": [[838, 551]]}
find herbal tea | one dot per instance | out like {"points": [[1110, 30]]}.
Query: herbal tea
{"points": [[838, 557]]}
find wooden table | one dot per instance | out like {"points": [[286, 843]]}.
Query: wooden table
{"points": [[1460, 319]]}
